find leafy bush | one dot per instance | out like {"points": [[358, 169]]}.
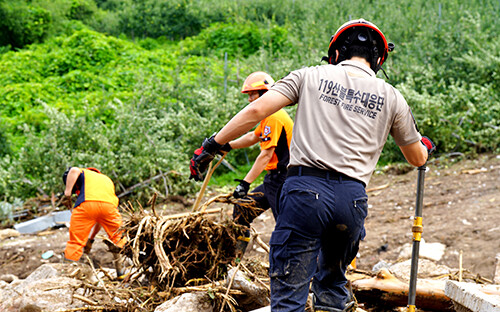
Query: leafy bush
{"points": [[156, 18], [4, 141], [22, 24], [137, 110], [238, 40], [82, 10], [6, 210]]}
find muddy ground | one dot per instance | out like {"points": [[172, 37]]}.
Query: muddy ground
{"points": [[461, 211]]}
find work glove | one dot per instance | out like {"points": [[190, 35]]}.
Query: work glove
{"points": [[202, 158], [242, 189], [88, 246], [431, 147], [226, 148], [66, 201]]}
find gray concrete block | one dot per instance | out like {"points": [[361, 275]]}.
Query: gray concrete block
{"points": [[475, 297], [44, 222]]}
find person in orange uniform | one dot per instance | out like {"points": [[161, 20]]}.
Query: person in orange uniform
{"points": [[96, 206], [274, 134]]}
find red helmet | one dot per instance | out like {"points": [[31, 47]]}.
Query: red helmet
{"points": [[257, 81], [359, 32]]}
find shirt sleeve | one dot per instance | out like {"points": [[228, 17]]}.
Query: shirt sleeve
{"points": [[290, 85], [404, 129], [269, 131]]}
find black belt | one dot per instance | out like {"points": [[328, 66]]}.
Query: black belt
{"points": [[320, 173], [277, 171]]}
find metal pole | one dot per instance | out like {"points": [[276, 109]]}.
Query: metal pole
{"points": [[417, 230]]}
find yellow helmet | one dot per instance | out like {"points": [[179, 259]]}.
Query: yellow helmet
{"points": [[257, 81]]}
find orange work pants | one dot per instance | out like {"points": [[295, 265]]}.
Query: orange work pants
{"points": [[83, 219]]}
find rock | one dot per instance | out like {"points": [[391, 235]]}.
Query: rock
{"points": [[46, 288], [8, 233], [380, 265], [31, 308], [431, 251], [49, 294], [8, 278], [426, 269], [188, 302]]}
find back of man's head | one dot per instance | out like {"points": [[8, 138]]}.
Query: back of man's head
{"points": [[359, 38]]}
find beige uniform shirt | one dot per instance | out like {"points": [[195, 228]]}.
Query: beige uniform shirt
{"points": [[344, 116]]}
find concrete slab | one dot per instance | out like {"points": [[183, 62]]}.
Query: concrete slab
{"points": [[475, 297], [44, 222]]}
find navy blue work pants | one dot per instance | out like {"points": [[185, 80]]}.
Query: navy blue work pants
{"points": [[319, 225]]}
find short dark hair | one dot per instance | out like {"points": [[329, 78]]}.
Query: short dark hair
{"points": [[360, 51]]}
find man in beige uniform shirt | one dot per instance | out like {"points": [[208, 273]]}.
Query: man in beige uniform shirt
{"points": [[344, 115]]}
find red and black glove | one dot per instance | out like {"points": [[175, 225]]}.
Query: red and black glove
{"points": [[431, 147], [202, 158]]}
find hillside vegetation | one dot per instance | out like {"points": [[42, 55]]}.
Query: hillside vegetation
{"points": [[133, 87]]}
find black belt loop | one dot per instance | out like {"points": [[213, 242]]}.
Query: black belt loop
{"points": [[300, 171]]}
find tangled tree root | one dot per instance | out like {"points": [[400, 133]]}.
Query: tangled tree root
{"points": [[172, 255]]}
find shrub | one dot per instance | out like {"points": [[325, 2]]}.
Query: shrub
{"points": [[22, 24], [238, 40]]}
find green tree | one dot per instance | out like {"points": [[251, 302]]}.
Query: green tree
{"points": [[22, 24]]}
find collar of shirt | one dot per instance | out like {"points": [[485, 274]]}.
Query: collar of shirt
{"points": [[358, 67]]}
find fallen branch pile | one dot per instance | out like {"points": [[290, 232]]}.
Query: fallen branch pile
{"points": [[173, 255], [178, 250]]}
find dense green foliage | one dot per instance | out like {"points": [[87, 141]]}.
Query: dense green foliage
{"points": [[133, 87]]}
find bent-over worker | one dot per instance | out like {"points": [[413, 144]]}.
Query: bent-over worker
{"points": [[96, 207]]}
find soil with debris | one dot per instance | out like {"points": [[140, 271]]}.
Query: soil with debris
{"points": [[461, 210], [461, 207]]}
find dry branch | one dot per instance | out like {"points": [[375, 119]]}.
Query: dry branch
{"points": [[85, 299]]}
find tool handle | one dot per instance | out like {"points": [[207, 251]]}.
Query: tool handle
{"points": [[417, 230], [210, 171]]}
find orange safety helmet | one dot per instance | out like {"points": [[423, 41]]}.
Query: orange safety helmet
{"points": [[257, 81], [363, 33], [93, 169]]}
